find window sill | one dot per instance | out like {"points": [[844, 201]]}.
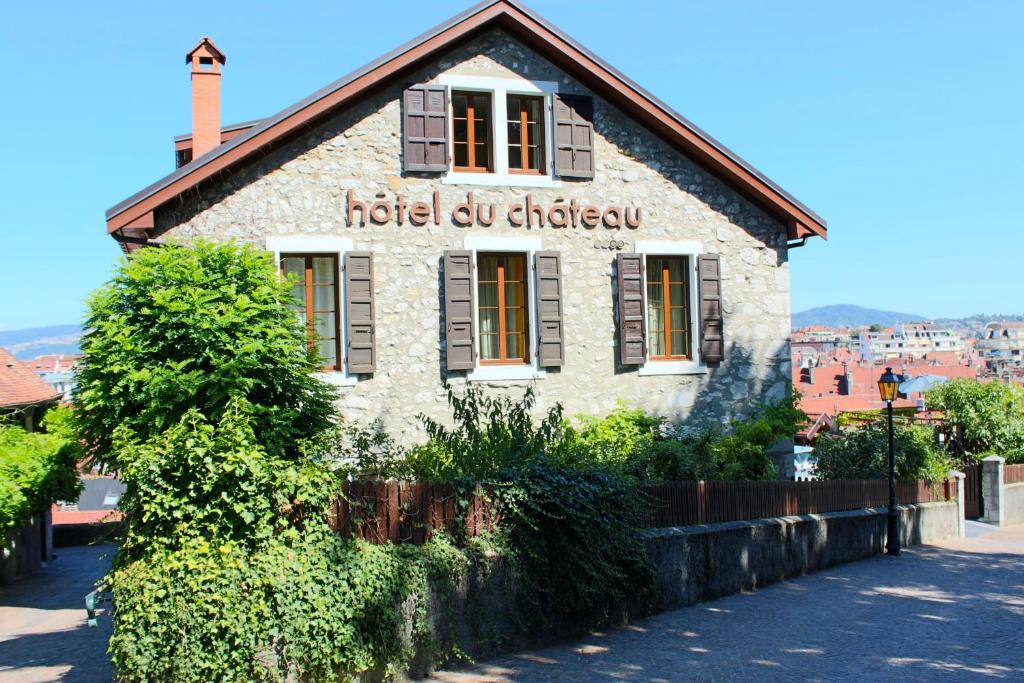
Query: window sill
{"points": [[672, 367], [499, 179], [337, 379], [509, 373]]}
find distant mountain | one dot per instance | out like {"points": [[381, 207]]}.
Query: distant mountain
{"points": [[848, 315], [40, 341]]}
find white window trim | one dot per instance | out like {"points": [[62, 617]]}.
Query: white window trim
{"points": [[691, 249], [500, 88], [510, 373], [322, 244]]}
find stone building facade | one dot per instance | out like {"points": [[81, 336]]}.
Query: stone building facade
{"points": [[342, 185]]}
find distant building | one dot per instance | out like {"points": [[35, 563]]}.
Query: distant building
{"points": [[837, 387], [1002, 347], [24, 397], [909, 340], [57, 370]]}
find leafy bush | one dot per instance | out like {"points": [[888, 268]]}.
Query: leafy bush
{"points": [[490, 434], [864, 454], [979, 419], [229, 571], [182, 327], [36, 470], [641, 446], [573, 538]]}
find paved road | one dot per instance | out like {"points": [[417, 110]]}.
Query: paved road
{"points": [[949, 613], [43, 636]]}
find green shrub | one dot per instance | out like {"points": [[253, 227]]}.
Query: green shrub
{"points": [[979, 419], [490, 434], [229, 571], [306, 606], [183, 327], [647, 448], [36, 470], [863, 454], [574, 540]]}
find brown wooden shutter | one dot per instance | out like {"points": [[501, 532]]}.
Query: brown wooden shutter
{"points": [[550, 335], [712, 342], [360, 332], [460, 337], [425, 128], [574, 136], [632, 316]]}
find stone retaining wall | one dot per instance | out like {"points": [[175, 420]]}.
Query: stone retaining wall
{"points": [[693, 564], [1013, 504]]}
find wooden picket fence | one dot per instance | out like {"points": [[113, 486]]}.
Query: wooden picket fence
{"points": [[410, 512], [407, 511], [685, 503], [1013, 474]]}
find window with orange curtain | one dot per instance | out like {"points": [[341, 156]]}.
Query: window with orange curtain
{"points": [[525, 134], [501, 293], [668, 317], [471, 132], [315, 301]]}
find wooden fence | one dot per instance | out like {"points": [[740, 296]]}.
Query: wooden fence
{"points": [[685, 503], [410, 512], [1013, 474], [406, 512]]}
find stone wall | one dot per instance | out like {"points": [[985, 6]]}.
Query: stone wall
{"points": [[300, 188], [693, 564], [1013, 504], [22, 550]]}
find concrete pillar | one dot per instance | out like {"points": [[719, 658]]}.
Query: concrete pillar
{"points": [[992, 489], [961, 521]]}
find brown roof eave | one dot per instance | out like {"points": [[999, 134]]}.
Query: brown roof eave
{"points": [[511, 15]]}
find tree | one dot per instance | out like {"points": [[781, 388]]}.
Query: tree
{"points": [[193, 327], [863, 454], [875, 328], [36, 470], [981, 418]]}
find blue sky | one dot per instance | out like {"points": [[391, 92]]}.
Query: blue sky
{"points": [[901, 123]]}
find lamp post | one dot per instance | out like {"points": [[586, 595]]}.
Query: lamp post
{"points": [[888, 385]]}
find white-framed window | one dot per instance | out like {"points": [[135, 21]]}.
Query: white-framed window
{"points": [[505, 316], [671, 304], [501, 131], [323, 295]]}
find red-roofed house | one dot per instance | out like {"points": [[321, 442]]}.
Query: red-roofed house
{"points": [[834, 387], [24, 397]]}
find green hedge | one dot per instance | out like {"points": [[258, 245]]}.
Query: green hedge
{"points": [[35, 471]]}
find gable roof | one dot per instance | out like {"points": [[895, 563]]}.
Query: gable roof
{"points": [[207, 46], [136, 213], [19, 386]]}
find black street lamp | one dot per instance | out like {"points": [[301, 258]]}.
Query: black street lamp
{"points": [[888, 386]]}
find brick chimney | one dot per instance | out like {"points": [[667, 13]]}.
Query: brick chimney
{"points": [[206, 61]]}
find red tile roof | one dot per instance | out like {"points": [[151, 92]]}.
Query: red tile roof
{"points": [[828, 392], [52, 362], [84, 516], [19, 386]]}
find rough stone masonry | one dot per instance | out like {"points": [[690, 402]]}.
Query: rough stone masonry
{"points": [[301, 188]]}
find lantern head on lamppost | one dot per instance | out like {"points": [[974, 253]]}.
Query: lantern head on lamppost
{"points": [[888, 387]]}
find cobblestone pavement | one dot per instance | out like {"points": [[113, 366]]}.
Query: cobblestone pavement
{"points": [[953, 612], [43, 635], [950, 612]]}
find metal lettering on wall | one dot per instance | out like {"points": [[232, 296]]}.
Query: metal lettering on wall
{"points": [[526, 213]]}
